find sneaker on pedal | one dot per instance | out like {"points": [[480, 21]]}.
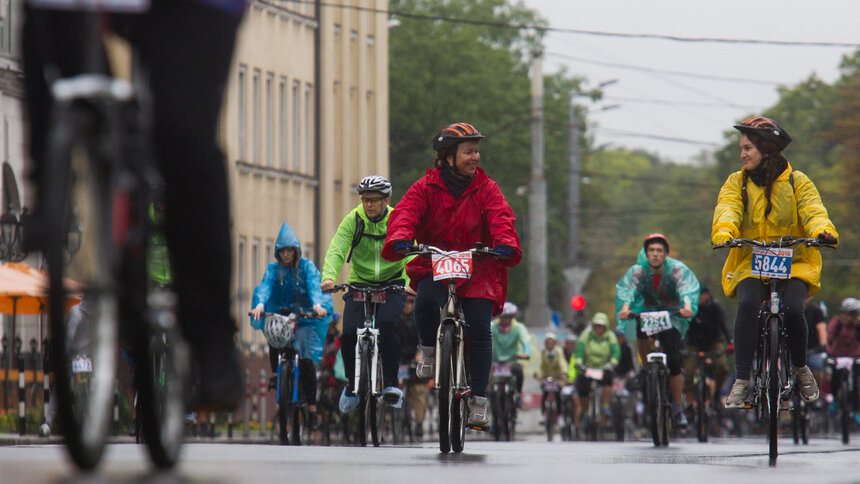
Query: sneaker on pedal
{"points": [[739, 395], [680, 419], [478, 418], [426, 367], [45, 430], [806, 384], [393, 396], [347, 403]]}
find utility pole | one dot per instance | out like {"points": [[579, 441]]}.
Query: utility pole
{"points": [[573, 287], [537, 313]]}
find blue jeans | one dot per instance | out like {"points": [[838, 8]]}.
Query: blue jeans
{"points": [[478, 312]]}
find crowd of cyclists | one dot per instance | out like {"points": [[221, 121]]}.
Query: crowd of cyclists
{"points": [[456, 205]]}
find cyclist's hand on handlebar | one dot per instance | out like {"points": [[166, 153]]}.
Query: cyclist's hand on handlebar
{"points": [[321, 312], [402, 246], [505, 251], [523, 357], [256, 312], [827, 238], [609, 366], [624, 314], [327, 285], [685, 312], [730, 348], [721, 238]]}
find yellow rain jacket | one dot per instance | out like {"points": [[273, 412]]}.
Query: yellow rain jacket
{"points": [[796, 211]]}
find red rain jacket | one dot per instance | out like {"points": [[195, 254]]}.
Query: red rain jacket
{"points": [[429, 214]]}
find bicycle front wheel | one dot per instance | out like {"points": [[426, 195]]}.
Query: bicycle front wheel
{"points": [[285, 400], [702, 408], [446, 390], [78, 244], [772, 380], [655, 400], [845, 407]]}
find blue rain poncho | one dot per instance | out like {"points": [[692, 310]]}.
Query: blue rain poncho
{"points": [[297, 288], [677, 288]]}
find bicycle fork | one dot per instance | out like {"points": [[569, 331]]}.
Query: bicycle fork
{"points": [[371, 334]]}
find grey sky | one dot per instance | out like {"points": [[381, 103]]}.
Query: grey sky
{"points": [[706, 106]]}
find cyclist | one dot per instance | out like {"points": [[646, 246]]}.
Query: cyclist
{"points": [[708, 332], [358, 240], [658, 282], [596, 347], [454, 206], [551, 366], [778, 202], [187, 86], [569, 347], [625, 361], [843, 338], [511, 343], [293, 282]]}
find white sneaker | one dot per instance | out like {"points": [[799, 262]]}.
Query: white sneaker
{"points": [[45, 430], [739, 396], [478, 418], [426, 367], [805, 382]]}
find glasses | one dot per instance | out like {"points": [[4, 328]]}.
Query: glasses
{"points": [[371, 201]]}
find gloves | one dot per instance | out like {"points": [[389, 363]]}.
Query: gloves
{"points": [[505, 250], [721, 238], [827, 238], [730, 348], [402, 246], [579, 367]]}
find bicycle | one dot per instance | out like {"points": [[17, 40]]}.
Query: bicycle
{"points": [[773, 378], [593, 417], [99, 182], [550, 388], [844, 368], [503, 401], [568, 430], [367, 380], [658, 403], [702, 380], [452, 375], [293, 413]]}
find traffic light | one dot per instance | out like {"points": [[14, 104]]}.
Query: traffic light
{"points": [[577, 303]]}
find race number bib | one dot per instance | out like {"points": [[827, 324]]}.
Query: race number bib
{"points": [[844, 362], [594, 373], [772, 262], [455, 265], [82, 364], [655, 321], [377, 297], [502, 370], [94, 5]]}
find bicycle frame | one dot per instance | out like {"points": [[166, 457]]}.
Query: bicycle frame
{"points": [[452, 317]]}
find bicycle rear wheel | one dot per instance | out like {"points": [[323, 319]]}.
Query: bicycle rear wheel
{"points": [[772, 380], [78, 203], [162, 382], [446, 392]]}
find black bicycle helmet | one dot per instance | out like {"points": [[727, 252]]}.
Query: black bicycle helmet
{"points": [[767, 129], [375, 183], [454, 134]]}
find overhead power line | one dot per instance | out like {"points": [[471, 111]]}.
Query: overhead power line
{"points": [[664, 71], [621, 132], [545, 28], [669, 102]]}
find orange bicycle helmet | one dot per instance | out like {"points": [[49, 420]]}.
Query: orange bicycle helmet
{"points": [[656, 237], [767, 129], [454, 134]]}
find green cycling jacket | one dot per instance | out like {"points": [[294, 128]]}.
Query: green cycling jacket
{"points": [[366, 265]]}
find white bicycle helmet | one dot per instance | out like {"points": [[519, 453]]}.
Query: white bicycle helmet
{"points": [[850, 305], [375, 183], [510, 309], [279, 330]]}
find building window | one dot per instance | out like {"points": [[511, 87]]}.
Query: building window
{"points": [[242, 300], [296, 129], [308, 130], [269, 121], [282, 121], [243, 113], [255, 117]]}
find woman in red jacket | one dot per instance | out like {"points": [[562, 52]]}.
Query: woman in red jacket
{"points": [[453, 207]]}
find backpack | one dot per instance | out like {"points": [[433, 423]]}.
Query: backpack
{"points": [[358, 234]]}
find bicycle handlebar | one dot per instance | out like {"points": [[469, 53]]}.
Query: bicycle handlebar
{"points": [[298, 314], [397, 288], [427, 250], [786, 241]]}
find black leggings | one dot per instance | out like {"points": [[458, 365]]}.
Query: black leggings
{"points": [[751, 292]]}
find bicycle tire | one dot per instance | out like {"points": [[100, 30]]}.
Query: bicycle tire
{"points": [[844, 403], [795, 418], [512, 417], [161, 389], [654, 405], [374, 411], [664, 405], [444, 360], [551, 413], [701, 408], [297, 421], [77, 181], [773, 390], [363, 394], [285, 398], [593, 430], [458, 424]]}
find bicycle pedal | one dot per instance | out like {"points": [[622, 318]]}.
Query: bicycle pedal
{"points": [[478, 428]]}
